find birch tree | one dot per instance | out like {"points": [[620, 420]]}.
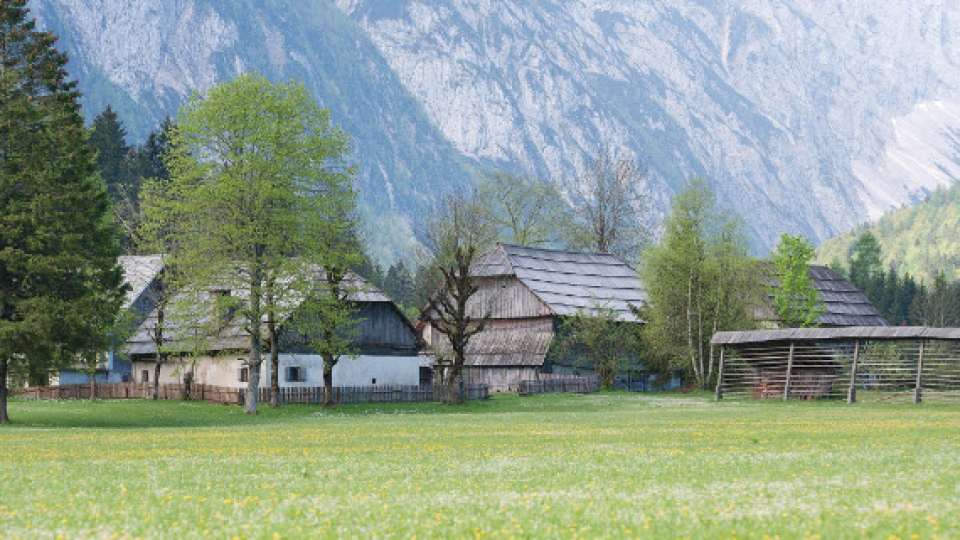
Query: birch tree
{"points": [[699, 281], [256, 170]]}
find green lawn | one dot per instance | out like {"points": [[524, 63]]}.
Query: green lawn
{"points": [[598, 466]]}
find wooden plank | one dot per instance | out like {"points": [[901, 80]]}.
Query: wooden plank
{"points": [[917, 390], [718, 395], [852, 390], [786, 385]]}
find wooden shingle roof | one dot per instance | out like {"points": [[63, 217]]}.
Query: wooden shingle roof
{"points": [[567, 281], [846, 304]]}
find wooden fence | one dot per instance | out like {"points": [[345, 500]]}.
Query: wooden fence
{"points": [[560, 384], [374, 394], [198, 392], [235, 396]]}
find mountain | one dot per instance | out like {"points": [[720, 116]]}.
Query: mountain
{"points": [[147, 58], [807, 117], [920, 240]]}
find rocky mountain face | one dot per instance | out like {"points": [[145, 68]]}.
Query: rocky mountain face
{"points": [[147, 58], [807, 117]]}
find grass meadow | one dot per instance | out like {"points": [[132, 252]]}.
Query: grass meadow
{"points": [[608, 465]]}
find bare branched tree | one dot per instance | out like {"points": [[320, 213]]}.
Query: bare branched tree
{"points": [[455, 235], [610, 206]]}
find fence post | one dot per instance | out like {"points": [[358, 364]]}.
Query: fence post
{"points": [[786, 386], [852, 391], [917, 391], [719, 393]]}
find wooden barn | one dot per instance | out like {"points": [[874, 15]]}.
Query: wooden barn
{"points": [[385, 345], [526, 291], [813, 365]]}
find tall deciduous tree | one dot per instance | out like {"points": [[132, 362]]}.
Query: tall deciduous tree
{"points": [[699, 280], [610, 207], [525, 211], [257, 186], [60, 284], [795, 298]]}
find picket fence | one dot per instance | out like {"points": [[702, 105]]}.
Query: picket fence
{"points": [[171, 391], [235, 396], [375, 394], [565, 384]]}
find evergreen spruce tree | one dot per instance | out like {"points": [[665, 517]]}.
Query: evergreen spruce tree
{"points": [[60, 285], [399, 285], [109, 138]]}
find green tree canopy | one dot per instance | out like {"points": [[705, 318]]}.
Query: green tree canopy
{"points": [[60, 284], [795, 298], [259, 200], [699, 280]]}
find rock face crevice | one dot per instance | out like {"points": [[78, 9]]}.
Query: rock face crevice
{"points": [[808, 117]]}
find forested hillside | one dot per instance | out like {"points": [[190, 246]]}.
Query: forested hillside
{"points": [[920, 240]]}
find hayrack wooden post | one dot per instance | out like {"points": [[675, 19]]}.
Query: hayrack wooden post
{"points": [[917, 391], [786, 386], [852, 391], [719, 392]]}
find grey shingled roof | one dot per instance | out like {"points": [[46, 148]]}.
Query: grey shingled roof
{"points": [[846, 304], [567, 281], [866, 333], [139, 271], [232, 335]]}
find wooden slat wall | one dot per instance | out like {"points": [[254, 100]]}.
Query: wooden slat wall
{"points": [[506, 298]]}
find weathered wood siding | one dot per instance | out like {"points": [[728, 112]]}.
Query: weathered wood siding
{"points": [[381, 330], [381, 327], [506, 298]]}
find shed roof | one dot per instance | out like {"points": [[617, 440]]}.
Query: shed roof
{"points": [[851, 333], [567, 281]]}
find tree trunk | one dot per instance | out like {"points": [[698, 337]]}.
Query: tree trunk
{"points": [[274, 363], [156, 379], [158, 341], [187, 386], [256, 340], [690, 349], [328, 363], [4, 418], [93, 383], [453, 396]]}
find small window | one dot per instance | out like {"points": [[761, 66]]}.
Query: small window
{"points": [[374, 382], [145, 375], [244, 375], [296, 374]]}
